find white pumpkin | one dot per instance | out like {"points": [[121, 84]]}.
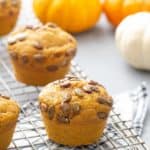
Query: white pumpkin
{"points": [[133, 40]]}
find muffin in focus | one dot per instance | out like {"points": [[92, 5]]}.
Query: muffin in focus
{"points": [[74, 111], [9, 112], [41, 54], [9, 11]]}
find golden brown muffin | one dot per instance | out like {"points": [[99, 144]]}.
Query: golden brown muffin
{"points": [[9, 112], [74, 111], [9, 10], [41, 54]]}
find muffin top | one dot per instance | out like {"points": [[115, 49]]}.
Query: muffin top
{"points": [[75, 100], [45, 44], [9, 7], [9, 112]]}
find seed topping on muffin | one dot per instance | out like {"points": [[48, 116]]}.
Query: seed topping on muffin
{"points": [[43, 107], [79, 92], [105, 101], [14, 55], [65, 84], [67, 97], [102, 115], [73, 93], [38, 46], [39, 58], [51, 112], [24, 59], [44, 50], [4, 96], [52, 68]]}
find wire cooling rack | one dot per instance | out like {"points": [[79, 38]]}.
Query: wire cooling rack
{"points": [[30, 133]]}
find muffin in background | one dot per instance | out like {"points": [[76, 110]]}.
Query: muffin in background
{"points": [[9, 112], [74, 111], [41, 54], [9, 11]]}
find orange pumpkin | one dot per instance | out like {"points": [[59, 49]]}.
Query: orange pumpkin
{"points": [[71, 15], [116, 10]]}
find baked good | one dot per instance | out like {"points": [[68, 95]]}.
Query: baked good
{"points": [[74, 111], [9, 112], [9, 10], [41, 54]]}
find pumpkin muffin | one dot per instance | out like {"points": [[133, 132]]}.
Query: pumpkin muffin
{"points": [[74, 111], [41, 54], [9, 112], [9, 10]]}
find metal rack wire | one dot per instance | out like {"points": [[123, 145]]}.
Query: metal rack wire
{"points": [[30, 133]]}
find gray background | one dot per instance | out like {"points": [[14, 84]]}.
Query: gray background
{"points": [[101, 61]]}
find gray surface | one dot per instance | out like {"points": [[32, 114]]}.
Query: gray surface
{"points": [[101, 61]]}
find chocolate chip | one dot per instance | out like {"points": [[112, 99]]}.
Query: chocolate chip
{"points": [[13, 55], [102, 115], [79, 92], [71, 52], [87, 89], [52, 68], [11, 41], [38, 45], [43, 107], [24, 59], [65, 84], [39, 58], [76, 109], [104, 101], [67, 97], [51, 112], [62, 119]]}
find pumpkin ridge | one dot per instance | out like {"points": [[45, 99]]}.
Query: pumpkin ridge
{"points": [[66, 15], [41, 14], [49, 6]]}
